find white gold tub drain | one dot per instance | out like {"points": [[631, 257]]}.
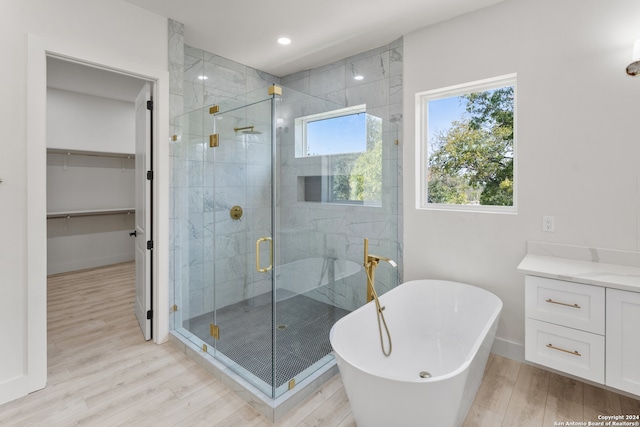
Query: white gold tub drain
{"points": [[425, 374]]}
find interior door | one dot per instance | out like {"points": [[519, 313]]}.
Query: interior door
{"points": [[144, 243]]}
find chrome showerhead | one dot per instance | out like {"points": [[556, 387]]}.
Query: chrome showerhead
{"points": [[249, 130]]}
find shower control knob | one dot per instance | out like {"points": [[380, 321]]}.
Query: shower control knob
{"points": [[236, 212]]}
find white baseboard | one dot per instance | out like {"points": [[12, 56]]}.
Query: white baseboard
{"points": [[20, 386], [508, 349]]}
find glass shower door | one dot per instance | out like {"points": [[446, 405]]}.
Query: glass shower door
{"points": [[270, 233], [337, 185], [238, 172]]}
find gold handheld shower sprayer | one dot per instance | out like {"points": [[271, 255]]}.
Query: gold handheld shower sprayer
{"points": [[370, 265]]}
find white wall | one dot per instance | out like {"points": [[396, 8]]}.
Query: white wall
{"points": [[101, 31], [577, 138], [90, 241], [77, 121], [81, 183]]}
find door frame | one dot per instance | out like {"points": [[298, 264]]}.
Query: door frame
{"points": [[38, 50]]}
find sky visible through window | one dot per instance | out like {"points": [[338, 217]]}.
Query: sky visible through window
{"points": [[337, 135], [443, 112]]}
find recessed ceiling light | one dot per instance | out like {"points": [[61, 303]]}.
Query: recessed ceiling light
{"points": [[358, 77], [284, 40], [203, 77]]}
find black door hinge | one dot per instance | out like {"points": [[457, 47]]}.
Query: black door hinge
{"points": [[149, 105], [149, 314], [150, 175], [149, 244]]}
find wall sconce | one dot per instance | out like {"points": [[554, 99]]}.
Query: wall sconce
{"points": [[634, 68]]}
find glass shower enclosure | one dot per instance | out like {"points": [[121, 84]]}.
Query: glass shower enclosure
{"points": [[281, 190]]}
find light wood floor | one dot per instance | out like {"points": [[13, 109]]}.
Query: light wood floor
{"points": [[102, 373]]}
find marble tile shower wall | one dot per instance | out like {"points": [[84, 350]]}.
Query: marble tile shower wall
{"points": [[199, 202], [203, 195], [333, 230]]}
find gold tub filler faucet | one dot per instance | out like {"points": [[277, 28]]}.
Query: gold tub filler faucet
{"points": [[370, 264]]}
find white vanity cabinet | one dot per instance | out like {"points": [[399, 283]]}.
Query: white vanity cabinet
{"points": [[623, 340], [583, 317], [564, 327]]}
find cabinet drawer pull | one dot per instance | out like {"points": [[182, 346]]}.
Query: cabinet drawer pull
{"points": [[575, 353], [562, 303]]}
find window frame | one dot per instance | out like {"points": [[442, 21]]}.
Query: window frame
{"points": [[422, 142], [301, 128]]}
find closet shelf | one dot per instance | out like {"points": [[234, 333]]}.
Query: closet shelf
{"points": [[90, 153], [72, 214]]}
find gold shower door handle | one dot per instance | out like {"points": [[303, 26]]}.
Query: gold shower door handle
{"points": [[270, 266]]}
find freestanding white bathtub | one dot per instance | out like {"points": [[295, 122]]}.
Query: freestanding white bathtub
{"points": [[440, 327]]}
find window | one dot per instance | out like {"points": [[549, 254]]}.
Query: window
{"points": [[347, 145], [340, 131], [467, 146]]}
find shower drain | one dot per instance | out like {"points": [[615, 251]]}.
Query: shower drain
{"points": [[282, 326]]}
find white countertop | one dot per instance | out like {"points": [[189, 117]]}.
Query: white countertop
{"points": [[588, 272]]}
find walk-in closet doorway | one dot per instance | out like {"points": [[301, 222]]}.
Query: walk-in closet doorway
{"points": [[99, 143]]}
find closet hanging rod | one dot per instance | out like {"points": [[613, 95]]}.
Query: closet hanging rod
{"points": [[90, 153], [75, 214]]}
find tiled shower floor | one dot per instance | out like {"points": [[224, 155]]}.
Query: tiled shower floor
{"points": [[302, 334]]}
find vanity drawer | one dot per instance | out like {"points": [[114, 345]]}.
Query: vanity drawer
{"points": [[564, 303], [568, 350]]}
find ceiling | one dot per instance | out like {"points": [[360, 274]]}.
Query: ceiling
{"points": [[322, 31]]}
